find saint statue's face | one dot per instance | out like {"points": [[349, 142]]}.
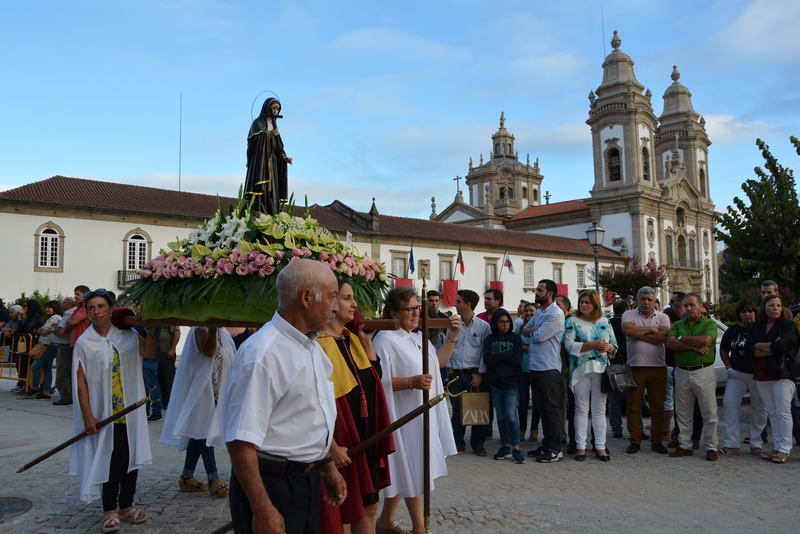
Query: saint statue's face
{"points": [[274, 110]]}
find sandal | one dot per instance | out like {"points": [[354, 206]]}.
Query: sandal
{"points": [[534, 437], [134, 515], [394, 528], [780, 457], [222, 490], [768, 455], [756, 451], [186, 484], [110, 522]]}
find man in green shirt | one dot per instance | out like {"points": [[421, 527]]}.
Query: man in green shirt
{"points": [[693, 339]]}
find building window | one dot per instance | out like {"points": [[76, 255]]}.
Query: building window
{"points": [[536, 195], [557, 271], [524, 192], [581, 276], [491, 270], [137, 252], [445, 270], [614, 163], [528, 272], [49, 255], [645, 164], [692, 255], [668, 244], [399, 266], [702, 178], [680, 217], [497, 148], [681, 251]]}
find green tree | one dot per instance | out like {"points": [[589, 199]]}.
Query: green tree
{"points": [[762, 238]]}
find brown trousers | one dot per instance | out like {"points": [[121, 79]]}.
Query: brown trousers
{"points": [[654, 380]]}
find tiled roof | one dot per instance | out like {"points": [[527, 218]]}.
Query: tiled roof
{"points": [[61, 190], [441, 231], [551, 209]]}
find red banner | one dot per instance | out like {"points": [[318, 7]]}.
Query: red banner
{"points": [[403, 282], [449, 292], [496, 284], [563, 289]]}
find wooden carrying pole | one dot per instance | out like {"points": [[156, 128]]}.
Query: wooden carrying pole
{"points": [[101, 424], [426, 417]]}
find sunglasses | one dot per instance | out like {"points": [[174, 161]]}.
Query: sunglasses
{"points": [[95, 293]]}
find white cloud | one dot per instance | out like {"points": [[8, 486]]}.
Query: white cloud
{"points": [[730, 129], [765, 32]]}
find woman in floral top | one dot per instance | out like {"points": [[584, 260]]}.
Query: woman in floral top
{"points": [[590, 342]]}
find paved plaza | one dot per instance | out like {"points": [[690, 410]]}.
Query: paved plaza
{"points": [[644, 492]]}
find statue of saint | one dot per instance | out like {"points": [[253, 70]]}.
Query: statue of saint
{"points": [[267, 161]]}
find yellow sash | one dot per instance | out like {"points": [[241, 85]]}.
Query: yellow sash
{"points": [[343, 379]]}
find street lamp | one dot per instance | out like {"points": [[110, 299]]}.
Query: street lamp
{"points": [[595, 236]]}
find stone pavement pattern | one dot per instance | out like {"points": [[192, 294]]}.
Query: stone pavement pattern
{"points": [[643, 492]]}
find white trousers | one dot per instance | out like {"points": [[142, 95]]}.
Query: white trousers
{"points": [[777, 396], [738, 384], [701, 385], [587, 391]]}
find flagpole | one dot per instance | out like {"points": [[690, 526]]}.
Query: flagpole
{"points": [[503, 264]]}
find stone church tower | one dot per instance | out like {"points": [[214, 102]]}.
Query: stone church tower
{"points": [[651, 191]]}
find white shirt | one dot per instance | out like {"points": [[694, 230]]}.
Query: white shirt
{"points": [[278, 395]]}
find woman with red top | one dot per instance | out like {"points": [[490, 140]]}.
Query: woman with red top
{"points": [[772, 335], [361, 411]]}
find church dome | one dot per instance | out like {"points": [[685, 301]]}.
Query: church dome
{"points": [[618, 72], [677, 98]]}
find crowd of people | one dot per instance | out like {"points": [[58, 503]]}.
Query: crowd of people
{"points": [[290, 401]]}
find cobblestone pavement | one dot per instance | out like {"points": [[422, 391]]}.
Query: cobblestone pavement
{"points": [[643, 492]]}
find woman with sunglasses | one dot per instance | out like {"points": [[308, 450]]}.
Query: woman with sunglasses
{"points": [[401, 360], [107, 373]]}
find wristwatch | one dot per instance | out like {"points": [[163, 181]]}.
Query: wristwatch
{"points": [[680, 338]]}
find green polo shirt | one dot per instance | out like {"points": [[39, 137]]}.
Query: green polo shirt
{"points": [[702, 327]]}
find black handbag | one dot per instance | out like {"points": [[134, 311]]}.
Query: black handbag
{"points": [[786, 365], [618, 378]]}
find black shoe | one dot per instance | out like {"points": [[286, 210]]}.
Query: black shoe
{"points": [[572, 448], [62, 402], [633, 448], [617, 435], [645, 437], [659, 448], [155, 418], [606, 458], [535, 453], [580, 457]]}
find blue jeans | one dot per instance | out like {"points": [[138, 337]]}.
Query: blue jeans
{"points": [[478, 434], [150, 374], [615, 411], [506, 403], [45, 363], [196, 449]]}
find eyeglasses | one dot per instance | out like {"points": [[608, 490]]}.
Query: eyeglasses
{"points": [[96, 293], [412, 310]]}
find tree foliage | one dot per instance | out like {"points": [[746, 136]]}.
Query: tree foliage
{"points": [[625, 282], [762, 237]]}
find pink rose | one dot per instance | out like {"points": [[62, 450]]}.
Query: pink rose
{"points": [[253, 253], [294, 258], [266, 271], [242, 269], [306, 251], [297, 252], [279, 254], [270, 260], [182, 273], [323, 256], [260, 260], [234, 255], [144, 273], [156, 276], [252, 267]]}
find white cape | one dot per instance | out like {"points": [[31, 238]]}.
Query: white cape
{"points": [[91, 456], [191, 405], [401, 356]]}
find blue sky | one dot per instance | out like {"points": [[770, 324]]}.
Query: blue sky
{"points": [[384, 100]]}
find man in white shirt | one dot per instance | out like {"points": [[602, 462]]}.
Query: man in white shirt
{"points": [[278, 411]]}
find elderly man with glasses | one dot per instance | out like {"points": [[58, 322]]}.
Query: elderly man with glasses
{"points": [[467, 364]]}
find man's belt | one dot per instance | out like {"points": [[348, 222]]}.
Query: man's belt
{"points": [[276, 465], [695, 367], [468, 371]]}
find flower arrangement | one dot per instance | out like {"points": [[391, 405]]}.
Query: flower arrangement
{"points": [[227, 268], [625, 282]]}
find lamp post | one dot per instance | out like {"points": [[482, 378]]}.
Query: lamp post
{"points": [[595, 236]]}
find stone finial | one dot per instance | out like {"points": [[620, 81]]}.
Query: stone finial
{"points": [[703, 121], [373, 210], [516, 154], [529, 160], [488, 207], [481, 158], [615, 41], [433, 208], [459, 197], [675, 74], [648, 94], [502, 120], [470, 163], [536, 166], [592, 98]]}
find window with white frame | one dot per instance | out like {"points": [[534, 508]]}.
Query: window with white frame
{"points": [[557, 272], [528, 272], [445, 270], [137, 252], [399, 266], [49, 250], [491, 270], [581, 276]]}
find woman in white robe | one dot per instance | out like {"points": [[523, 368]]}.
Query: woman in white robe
{"points": [[202, 371], [107, 377], [401, 358]]}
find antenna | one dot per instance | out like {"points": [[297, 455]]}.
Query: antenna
{"points": [[603, 29], [180, 141]]}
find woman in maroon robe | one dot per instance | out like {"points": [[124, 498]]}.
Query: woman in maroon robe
{"points": [[361, 412]]}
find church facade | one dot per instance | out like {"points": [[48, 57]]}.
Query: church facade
{"points": [[650, 190]]}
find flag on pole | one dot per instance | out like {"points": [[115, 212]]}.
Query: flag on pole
{"points": [[460, 260], [411, 259], [507, 264]]}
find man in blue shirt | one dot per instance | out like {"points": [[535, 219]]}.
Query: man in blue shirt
{"points": [[546, 329]]}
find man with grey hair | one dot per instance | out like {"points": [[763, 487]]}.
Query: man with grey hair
{"points": [[645, 331], [277, 411]]}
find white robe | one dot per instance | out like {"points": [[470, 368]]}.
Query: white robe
{"points": [[91, 456], [191, 405], [401, 356]]}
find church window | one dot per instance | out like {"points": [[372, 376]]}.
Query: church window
{"points": [[502, 192], [668, 244], [614, 165], [702, 178], [680, 217], [681, 251], [497, 148], [536, 195], [645, 164], [510, 192], [524, 192], [692, 254], [49, 248]]}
